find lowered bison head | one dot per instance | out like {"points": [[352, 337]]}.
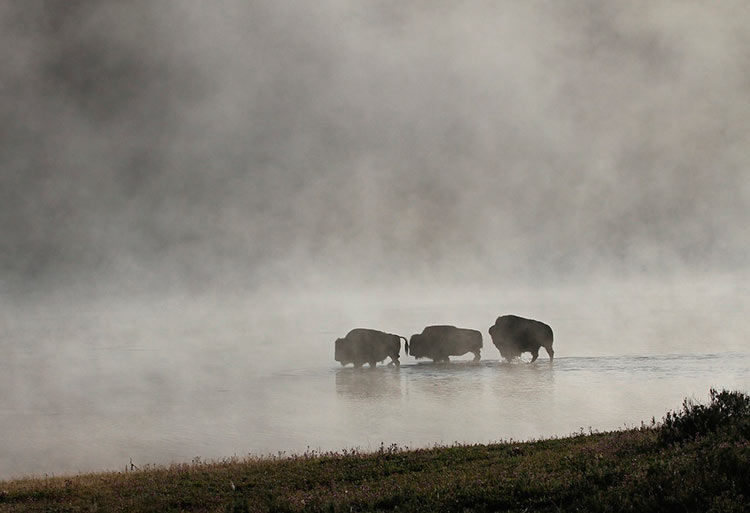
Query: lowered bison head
{"points": [[417, 346], [507, 348], [342, 352]]}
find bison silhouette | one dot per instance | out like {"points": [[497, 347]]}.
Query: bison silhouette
{"points": [[362, 345], [442, 342], [513, 335]]}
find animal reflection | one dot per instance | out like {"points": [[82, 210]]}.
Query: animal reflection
{"points": [[380, 383]]}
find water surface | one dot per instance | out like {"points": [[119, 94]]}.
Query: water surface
{"points": [[105, 421], [89, 389]]}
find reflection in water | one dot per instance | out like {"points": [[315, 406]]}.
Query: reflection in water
{"points": [[453, 383], [364, 384], [517, 380], [330, 408], [90, 392]]}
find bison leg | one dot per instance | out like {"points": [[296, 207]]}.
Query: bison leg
{"points": [[534, 355], [395, 361], [373, 364], [550, 352], [477, 355]]}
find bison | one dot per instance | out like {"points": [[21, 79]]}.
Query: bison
{"points": [[514, 335], [362, 345], [442, 342]]}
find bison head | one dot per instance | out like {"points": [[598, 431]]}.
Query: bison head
{"points": [[507, 348], [341, 351], [417, 347]]}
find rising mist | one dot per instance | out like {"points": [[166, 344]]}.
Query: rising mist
{"points": [[182, 147]]}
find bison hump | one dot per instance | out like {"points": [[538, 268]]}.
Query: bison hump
{"points": [[438, 328]]}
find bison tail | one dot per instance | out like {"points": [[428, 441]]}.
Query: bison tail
{"points": [[406, 344]]}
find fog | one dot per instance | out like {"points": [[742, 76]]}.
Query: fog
{"points": [[180, 147], [248, 180]]}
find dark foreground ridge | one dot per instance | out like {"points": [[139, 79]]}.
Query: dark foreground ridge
{"points": [[696, 459]]}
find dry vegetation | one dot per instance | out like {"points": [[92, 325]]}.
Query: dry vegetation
{"points": [[696, 459]]}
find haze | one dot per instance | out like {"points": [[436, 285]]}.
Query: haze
{"points": [[182, 147], [196, 194]]}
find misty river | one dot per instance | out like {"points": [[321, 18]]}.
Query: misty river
{"points": [[197, 200], [91, 390]]}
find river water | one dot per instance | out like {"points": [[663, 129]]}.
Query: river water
{"points": [[85, 391]]}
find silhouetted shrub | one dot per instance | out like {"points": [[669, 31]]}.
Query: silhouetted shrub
{"points": [[727, 413]]}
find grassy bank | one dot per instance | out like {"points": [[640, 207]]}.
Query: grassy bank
{"points": [[696, 459]]}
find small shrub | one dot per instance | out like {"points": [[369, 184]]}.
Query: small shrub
{"points": [[727, 412]]}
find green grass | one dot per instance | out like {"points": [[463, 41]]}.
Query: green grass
{"points": [[696, 459]]}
